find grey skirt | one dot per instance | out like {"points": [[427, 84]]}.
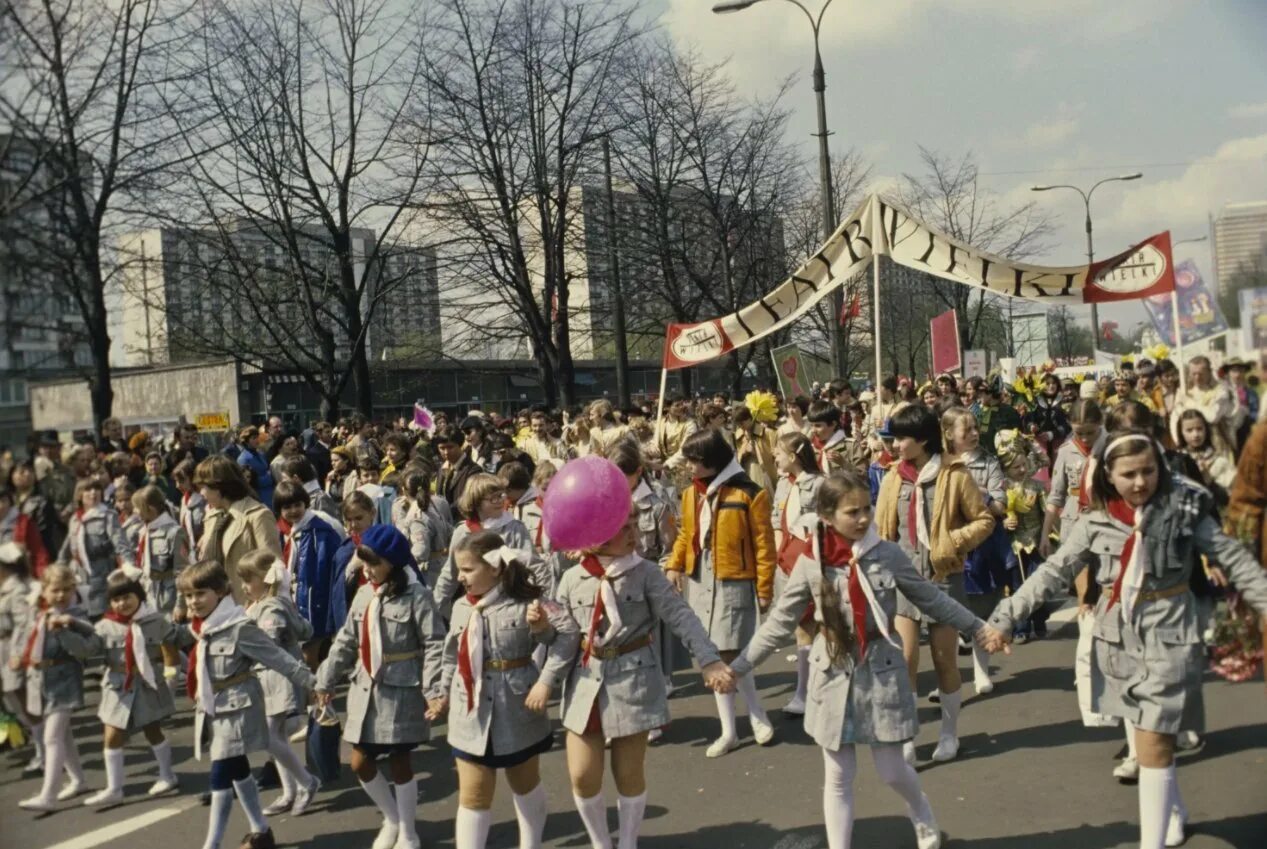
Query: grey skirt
{"points": [[728, 609], [952, 586]]}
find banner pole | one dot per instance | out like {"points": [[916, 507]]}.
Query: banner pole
{"points": [[1178, 331], [659, 415], [875, 311]]}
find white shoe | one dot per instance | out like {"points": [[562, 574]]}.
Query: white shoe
{"points": [[304, 797], [796, 707], [1174, 829], [102, 798], [721, 746], [387, 835], [36, 764], [763, 733], [70, 791], [1187, 741], [927, 835], [38, 803], [947, 749], [908, 752], [983, 687], [280, 806], [654, 734], [408, 839], [163, 785], [1127, 772], [300, 735], [935, 696]]}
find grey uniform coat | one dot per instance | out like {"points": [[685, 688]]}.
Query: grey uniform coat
{"points": [[988, 473], [14, 607], [807, 487], [514, 534], [528, 511], [61, 681], [428, 536], [105, 547], [657, 523], [628, 690], [857, 699], [1148, 669], [139, 705], [499, 724], [1066, 482], [390, 710], [278, 617], [166, 554], [240, 725]]}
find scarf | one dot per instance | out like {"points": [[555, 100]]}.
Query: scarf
{"points": [[704, 504], [144, 555], [1084, 480], [372, 632], [842, 553], [471, 646], [187, 517], [916, 517], [541, 525], [33, 655], [1132, 565], [79, 541], [821, 449], [793, 545], [279, 576], [135, 662], [605, 601], [198, 683]]}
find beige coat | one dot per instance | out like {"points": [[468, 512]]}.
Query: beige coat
{"points": [[252, 526]]}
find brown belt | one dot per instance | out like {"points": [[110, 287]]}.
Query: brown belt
{"points": [[221, 686], [1158, 595], [504, 665], [613, 652], [56, 661], [396, 657]]}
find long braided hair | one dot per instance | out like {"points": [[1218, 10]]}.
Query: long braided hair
{"points": [[836, 629]]}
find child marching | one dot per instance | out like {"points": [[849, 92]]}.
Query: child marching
{"points": [[95, 546], [162, 549]]}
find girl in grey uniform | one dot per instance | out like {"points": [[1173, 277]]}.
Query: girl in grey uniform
{"points": [[427, 530], [497, 699], [95, 546], [225, 690], [15, 607], [615, 689], [1148, 530], [130, 524], [193, 507], [795, 499], [858, 690], [51, 650], [162, 550], [266, 585], [391, 644], [140, 658]]}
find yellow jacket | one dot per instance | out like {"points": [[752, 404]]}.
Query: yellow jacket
{"points": [[741, 536], [960, 520]]}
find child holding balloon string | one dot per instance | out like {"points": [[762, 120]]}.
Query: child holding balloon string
{"points": [[615, 689]]}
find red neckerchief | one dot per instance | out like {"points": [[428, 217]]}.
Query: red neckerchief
{"points": [[464, 657], [365, 630], [1084, 485], [284, 527], [595, 569], [1124, 513], [129, 650], [838, 552], [701, 494], [541, 524], [361, 580], [140, 548], [42, 610], [791, 548], [191, 670], [473, 525], [820, 451], [906, 471]]}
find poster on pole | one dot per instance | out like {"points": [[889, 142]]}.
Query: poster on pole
{"points": [[974, 363], [789, 366], [1253, 304], [1199, 313], [944, 344]]}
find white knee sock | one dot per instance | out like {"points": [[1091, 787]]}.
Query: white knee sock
{"points": [[54, 754], [839, 770], [471, 828], [901, 776], [747, 688], [593, 813], [630, 810], [287, 781], [249, 798], [218, 818], [74, 769], [1154, 805], [37, 738], [381, 794], [407, 808], [114, 770], [802, 672], [950, 713], [726, 713], [530, 810], [288, 761], [1130, 739], [163, 755], [980, 665]]}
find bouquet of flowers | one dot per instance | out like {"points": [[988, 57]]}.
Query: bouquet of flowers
{"points": [[763, 406], [11, 732], [1237, 650]]}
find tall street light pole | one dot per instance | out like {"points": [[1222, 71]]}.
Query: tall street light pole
{"points": [[1086, 201], [827, 193], [613, 272]]}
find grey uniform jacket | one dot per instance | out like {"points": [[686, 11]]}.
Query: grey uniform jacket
{"points": [[1066, 483], [988, 473], [278, 617], [14, 608], [240, 725], [61, 680], [138, 705], [514, 534], [391, 709], [1147, 669], [556, 563], [167, 552], [872, 694], [428, 537], [105, 546], [627, 689], [499, 724], [657, 523]]}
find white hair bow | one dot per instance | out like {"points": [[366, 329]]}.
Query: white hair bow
{"points": [[278, 575], [502, 557]]}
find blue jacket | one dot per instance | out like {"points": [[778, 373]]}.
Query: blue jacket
{"points": [[319, 592], [263, 477]]}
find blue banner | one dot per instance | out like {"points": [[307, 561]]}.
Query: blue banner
{"points": [[1199, 313]]}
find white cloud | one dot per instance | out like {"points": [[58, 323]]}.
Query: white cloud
{"points": [[1248, 110]]}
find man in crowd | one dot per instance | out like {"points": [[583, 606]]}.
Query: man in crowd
{"points": [[1215, 401], [111, 441], [456, 466]]}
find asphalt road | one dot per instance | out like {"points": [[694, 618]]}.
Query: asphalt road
{"points": [[1028, 776]]}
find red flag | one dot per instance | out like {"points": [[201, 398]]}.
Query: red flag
{"points": [[944, 330], [853, 309], [1142, 271]]}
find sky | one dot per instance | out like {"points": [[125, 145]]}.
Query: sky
{"points": [[1040, 91]]}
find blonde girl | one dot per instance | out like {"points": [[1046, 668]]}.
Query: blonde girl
{"points": [[162, 548], [94, 547]]}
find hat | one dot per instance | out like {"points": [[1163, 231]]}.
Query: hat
{"points": [[139, 440], [1233, 363], [389, 544], [471, 422], [867, 397], [1088, 390], [50, 437], [341, 451]]}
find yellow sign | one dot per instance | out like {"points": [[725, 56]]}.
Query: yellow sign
{"points": [[212, 421]]}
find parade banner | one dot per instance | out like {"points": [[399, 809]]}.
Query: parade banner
{"points": [[944, 343], [1199, 313], [789, 367], [975, 363], [1253, 304], [879, 227]]}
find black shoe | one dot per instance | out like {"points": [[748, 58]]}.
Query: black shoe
{"points": [[204, 799], [267, 778]]}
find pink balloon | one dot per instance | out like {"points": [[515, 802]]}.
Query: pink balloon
{"points": [[586, 504]]}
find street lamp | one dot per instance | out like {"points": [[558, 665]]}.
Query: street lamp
{"points": [[824, 160], [1086, 200]]}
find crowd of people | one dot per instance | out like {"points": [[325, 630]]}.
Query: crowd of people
{"points": [[408, 574]]}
